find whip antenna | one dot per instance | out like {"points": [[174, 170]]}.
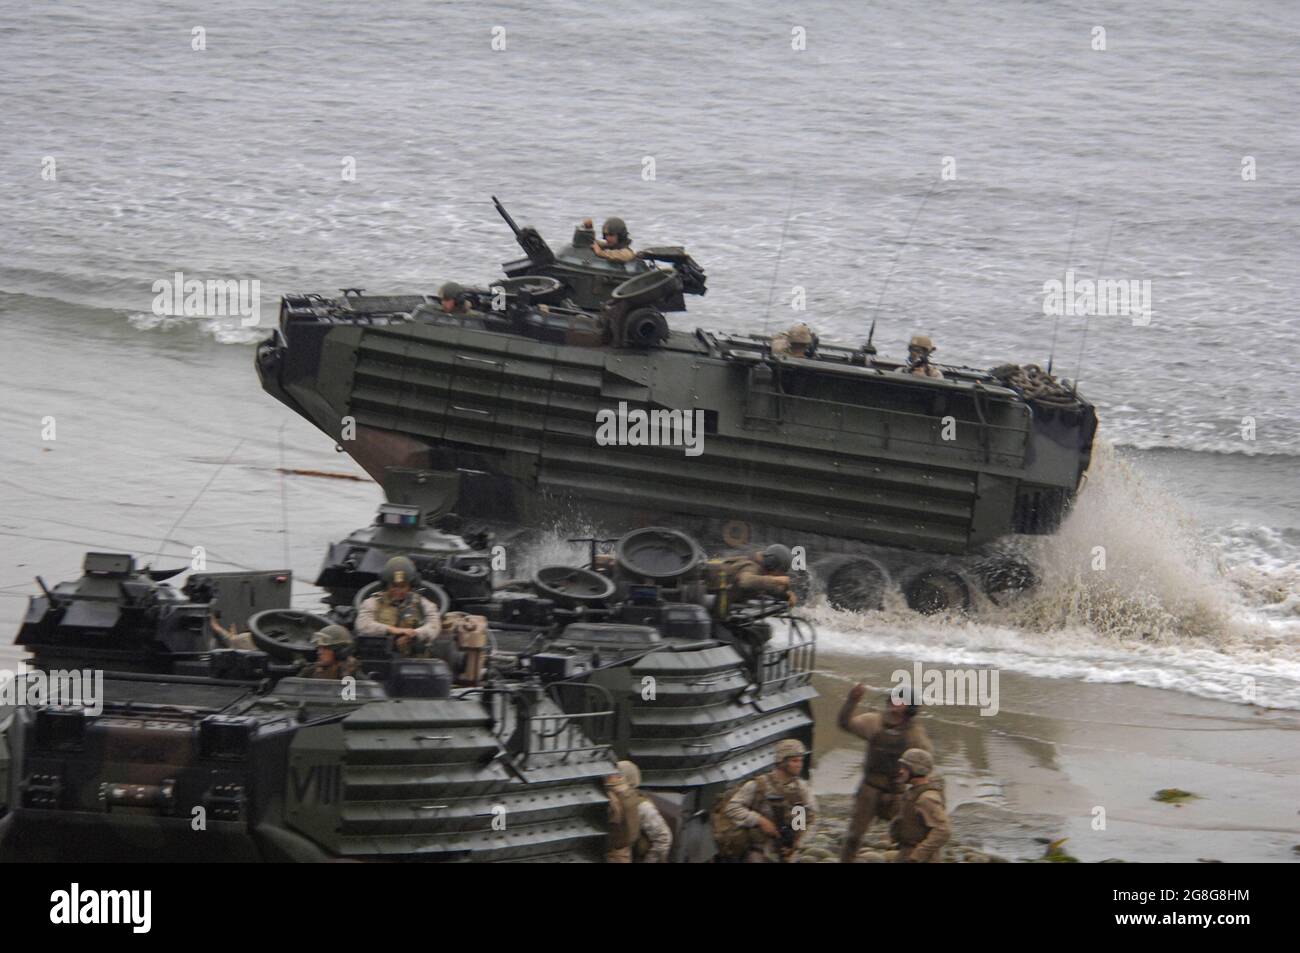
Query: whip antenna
{"points": [[1069, 255], [186, 513], [899, 253], [780, 248], [1084, 342], [284, 502]]}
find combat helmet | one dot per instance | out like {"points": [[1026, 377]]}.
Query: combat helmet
{"points": [[617, 227], [332, 637], [777, 558], [788, 748], [799, 334], [450, 289], [631, 773], [919, 761], [922, 341], [399, 570]]}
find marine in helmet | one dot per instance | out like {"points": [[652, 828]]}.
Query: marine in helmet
{"points": [[451, 297], [777, 809], [796, 341], [750, 574], [400, 611], [922, 826], [888, 734], [638, 833], [617, 246], [919, 350], [333, 655]]}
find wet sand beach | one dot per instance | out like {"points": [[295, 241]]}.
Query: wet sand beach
{"points": [[1060, 749]]}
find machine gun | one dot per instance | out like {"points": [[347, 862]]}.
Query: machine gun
{"points": [[530, 240], [687, 268]]}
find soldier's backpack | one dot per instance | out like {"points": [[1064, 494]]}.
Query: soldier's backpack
{"points": [[732, 840]]}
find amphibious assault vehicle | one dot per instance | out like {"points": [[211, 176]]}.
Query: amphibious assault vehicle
{"points": [[882, 477], [189, 749]]}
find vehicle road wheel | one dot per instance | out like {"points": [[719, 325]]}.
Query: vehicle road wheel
{"points": [[937, 590], [856, 584]]}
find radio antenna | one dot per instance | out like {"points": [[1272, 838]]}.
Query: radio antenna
{"points": [[1083, 343], [197, 496], [1069, 256], [780, 249], [284, 501], [899, 253]]}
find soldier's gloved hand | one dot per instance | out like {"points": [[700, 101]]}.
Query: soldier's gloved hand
{"points": [[768, 828], [792, 599]]}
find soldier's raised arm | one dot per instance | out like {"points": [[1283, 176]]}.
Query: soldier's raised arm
{"points": [[865, 725]]}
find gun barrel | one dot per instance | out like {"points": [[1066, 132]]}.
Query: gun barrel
{"points": [[506, 215]]}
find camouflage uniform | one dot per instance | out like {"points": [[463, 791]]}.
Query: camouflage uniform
{"points": [[339, 640], [616, 254], [923, 343], [414, 612], [634, 818], [620, 250], [794, 342], [339, 669], [746, 576], [232, 638], [922, 826], [877, 795], [772, 796]]}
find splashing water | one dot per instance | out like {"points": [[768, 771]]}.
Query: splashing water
{"points": [[1129, 564], [1161, 609]]}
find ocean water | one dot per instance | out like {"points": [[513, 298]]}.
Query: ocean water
{"points": [[128, 155]]}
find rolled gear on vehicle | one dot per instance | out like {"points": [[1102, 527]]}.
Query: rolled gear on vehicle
{"points": [[470, 634]]}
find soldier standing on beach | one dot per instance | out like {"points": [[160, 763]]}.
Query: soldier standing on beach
{"points": [[888, 735]]}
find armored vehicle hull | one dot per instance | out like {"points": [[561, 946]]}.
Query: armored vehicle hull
{"points": [[843, 454], [190, 749], [560, 395]]}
